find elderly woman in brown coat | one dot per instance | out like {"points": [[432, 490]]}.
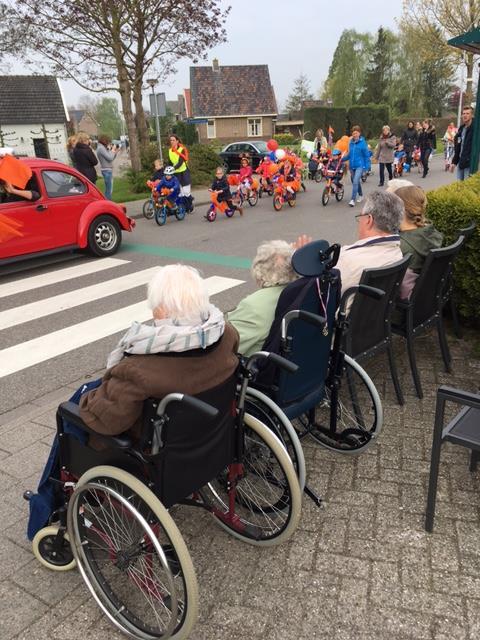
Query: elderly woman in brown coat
{"points": [[384, 153], [188, 349]]}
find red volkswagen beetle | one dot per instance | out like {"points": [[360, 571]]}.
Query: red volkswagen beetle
{"points": [[70, 214]]}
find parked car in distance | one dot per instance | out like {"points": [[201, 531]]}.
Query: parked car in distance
{"points": [[70, 214], [231, 154]]}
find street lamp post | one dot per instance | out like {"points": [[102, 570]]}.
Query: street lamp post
{"points": [[152, 82]]}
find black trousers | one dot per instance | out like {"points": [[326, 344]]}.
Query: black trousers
{"points": [[382, 171], [425, 157]]}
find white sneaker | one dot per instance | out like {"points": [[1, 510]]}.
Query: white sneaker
{"points": [[351, 203], [359, 198]]}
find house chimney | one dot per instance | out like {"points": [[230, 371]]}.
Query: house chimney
{"points": [[215, 65]]}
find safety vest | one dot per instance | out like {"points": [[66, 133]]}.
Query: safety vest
{"points": [[181, 152]]}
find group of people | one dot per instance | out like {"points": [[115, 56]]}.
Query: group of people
{"points": [[83, 158]]}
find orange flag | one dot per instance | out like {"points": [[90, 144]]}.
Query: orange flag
{"points": [[9, 228], [14, 171]]}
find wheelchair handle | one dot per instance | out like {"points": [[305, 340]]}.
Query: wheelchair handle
{"points": [[189, 401], [372, 292], [306, 316], [273, 357]]}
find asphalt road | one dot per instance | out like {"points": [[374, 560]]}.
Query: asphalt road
{"points": [[55, 331]]}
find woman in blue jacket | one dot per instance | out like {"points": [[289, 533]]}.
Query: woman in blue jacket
{"points": [[359, 159]]}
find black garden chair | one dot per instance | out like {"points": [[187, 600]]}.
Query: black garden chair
{"points": [[370, 320], [425, 307]]}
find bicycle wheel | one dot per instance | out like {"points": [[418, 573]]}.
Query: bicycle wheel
{"points": [[318, 177], [180, 212], [358, 409], [292, 201], [325, 196], [339, 193], [148, 209], [277, 203], [131, 556], [161, 215], [264, 409], [267, 497], [253, 198], [211, 215], [364, 176]]}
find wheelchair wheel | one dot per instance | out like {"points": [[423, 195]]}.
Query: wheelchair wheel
{"points": [[160, 215], [277, 203], [44, 549], [267, 497], [325, 196], [132, 556], [148, 209], [264, 409], [253, 198], [359, 413]]}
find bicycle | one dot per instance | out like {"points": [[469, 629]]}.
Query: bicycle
{"points": [[164, 208], [282, 195], [248, 194], [221, 207]]}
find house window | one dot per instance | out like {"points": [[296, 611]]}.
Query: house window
{"points": [[211, 129], [254, 127]]}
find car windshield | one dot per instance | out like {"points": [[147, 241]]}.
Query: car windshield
{"points": [[262, 146]]}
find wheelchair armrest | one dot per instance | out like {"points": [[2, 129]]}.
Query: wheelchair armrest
{"points": [[70, 412]]}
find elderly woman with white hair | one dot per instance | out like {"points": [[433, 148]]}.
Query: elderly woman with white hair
{"points": [[189, 348], [272, 271]]}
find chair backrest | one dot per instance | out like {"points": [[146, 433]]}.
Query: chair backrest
{"points": [[369, 319], [195, 449], [309, 344], [467, 231], [427, 294]]}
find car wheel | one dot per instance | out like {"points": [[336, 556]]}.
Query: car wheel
{"points": [[104, 236]]}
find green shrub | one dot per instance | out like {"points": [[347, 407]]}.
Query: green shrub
{"points": [[450, 208], [137, 180], [371, 117], [203, 162], [285, 139], [324, 117]]}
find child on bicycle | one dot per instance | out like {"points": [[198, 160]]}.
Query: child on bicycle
{"points": [[170, 186], [313, 166], [245, 174], [399, 158], [263, 171], [221, 187], [290, 176], [159, 170]]}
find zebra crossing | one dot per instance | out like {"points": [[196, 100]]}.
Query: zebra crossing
{"points": [[44, 347]]}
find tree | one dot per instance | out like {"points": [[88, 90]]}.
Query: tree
{"points": [[114, 45], [380, 74], [108, 117], [301, 91], [440, 20], [346, 76]]}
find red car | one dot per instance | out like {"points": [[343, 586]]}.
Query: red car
{"points": [[70, 214]]}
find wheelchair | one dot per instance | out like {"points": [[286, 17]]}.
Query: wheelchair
{"points": [[331, 398], [113, 522]]}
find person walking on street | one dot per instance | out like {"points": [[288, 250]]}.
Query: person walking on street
{"points": [[427, 141], [84, 160], [409, 141], [320, 143], [106, 154], [358, 157], [463, 144], [178, 155], [384, 153]]}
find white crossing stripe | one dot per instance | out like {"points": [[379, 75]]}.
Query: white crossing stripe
{"points": [[63, 301], [52, 277], [32, 352]]}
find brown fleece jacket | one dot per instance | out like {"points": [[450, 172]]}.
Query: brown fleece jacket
{"points": [[116, 405]]}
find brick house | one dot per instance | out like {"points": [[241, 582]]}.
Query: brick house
{"points": [[81, 120], [232, 102], [33, 116]]}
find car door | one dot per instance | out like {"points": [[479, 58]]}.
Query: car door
{"points": [[30, 233], [232, 157], [68, 196]]}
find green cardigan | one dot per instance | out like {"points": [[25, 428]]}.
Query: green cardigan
{"points": [[253, 318]]}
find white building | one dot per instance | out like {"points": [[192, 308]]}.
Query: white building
{"points": [[33, 116]]}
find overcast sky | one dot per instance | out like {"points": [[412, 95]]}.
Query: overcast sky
{"points": [[291, 36]]}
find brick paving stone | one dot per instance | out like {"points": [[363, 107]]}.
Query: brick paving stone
{"points": [[19, 609], [21, 436]]}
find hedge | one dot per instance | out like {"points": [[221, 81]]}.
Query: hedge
{"points": [[370, 117], [323, 117], [450, 208]]}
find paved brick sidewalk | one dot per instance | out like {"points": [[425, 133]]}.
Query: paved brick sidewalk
{"points": [[361, 569]]}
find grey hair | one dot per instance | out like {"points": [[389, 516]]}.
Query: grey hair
{"points": [[179, 290], [386, 209], [272, 265]]}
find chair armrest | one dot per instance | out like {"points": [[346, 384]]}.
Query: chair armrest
{"points": [[458, 396], [70, 412]]}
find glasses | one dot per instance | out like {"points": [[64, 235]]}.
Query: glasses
{"points": [[360, 215]]}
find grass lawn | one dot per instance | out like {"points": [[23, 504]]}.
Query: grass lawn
{"points": [[122, 191]]}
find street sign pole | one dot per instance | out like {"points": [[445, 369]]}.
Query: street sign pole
{"points": [[157, 109]]}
